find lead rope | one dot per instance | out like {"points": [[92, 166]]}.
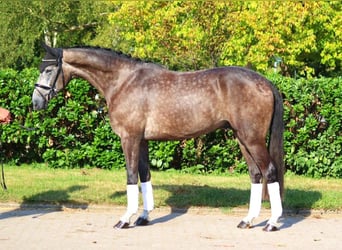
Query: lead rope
{"points": [[3, 183]]}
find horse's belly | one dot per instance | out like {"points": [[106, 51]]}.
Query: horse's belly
{"points": [[180, 129]]}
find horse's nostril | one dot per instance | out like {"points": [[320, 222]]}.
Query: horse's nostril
{"points": [[37, 104], [34, 103]]}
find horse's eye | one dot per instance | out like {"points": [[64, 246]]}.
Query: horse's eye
{"points": [[48, 71]]}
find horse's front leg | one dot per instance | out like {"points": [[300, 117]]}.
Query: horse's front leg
{"points": [[146, 185], [130, 147]]}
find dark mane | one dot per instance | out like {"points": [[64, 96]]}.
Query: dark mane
{"points": [[115, 54]]}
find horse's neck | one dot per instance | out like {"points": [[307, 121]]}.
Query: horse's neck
{"points": [[98, 71]]}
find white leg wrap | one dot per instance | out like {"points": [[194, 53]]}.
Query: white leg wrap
{"points": [[132, 202], [147, 194], [254, 203], [275, 200]]}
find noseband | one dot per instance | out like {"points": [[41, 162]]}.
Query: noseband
{"points": [[52, 89]]}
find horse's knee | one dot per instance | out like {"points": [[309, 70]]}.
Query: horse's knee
{"points": [[132, 177], [271, 173], [144, 173], [255, 175], [143, 166]]}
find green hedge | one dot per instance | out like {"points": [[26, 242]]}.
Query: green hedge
{"points": [[313, 134], [74, 131]]}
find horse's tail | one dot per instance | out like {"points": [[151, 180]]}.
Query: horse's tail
{"points": [[276, 140]]}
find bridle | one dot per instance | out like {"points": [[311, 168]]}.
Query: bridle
{"points": [[52, 89]]}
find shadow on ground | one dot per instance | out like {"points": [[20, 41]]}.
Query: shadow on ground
{"points": [[46, 202], [183, 197]]}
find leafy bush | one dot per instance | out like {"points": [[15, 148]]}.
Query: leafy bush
{"points": [[313, 115], [74, 131]]}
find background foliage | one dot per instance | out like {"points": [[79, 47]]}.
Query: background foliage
{"points": [[294, 38], [25, 24], [305, 36], [74, 130], [301, 37]]}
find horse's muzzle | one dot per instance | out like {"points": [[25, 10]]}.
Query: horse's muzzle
{"points": [[38, 101]]}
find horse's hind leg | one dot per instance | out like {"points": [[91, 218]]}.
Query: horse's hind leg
{"points": [[256, 190], [146, 185], [259, 155]]}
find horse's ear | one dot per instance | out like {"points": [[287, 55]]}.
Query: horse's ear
{"points": [[50, 50], [45, 46]]}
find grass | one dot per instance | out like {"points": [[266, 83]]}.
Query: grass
{"points": [[83, 187]]}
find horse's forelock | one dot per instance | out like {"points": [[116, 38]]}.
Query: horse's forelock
{"points": [[51, 58]]}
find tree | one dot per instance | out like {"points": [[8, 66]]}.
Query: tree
{"points": [[303, 37], [181, 35], [26, 24]]}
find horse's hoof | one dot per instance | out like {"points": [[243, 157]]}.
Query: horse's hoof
{"points": [[141, 222], [270, 228], [121, 225], [244, 225]]}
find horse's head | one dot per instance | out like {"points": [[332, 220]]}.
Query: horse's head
{"points": [[51, 78]]}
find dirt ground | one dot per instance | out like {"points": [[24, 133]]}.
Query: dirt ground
{"points": [[198, 228]]}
